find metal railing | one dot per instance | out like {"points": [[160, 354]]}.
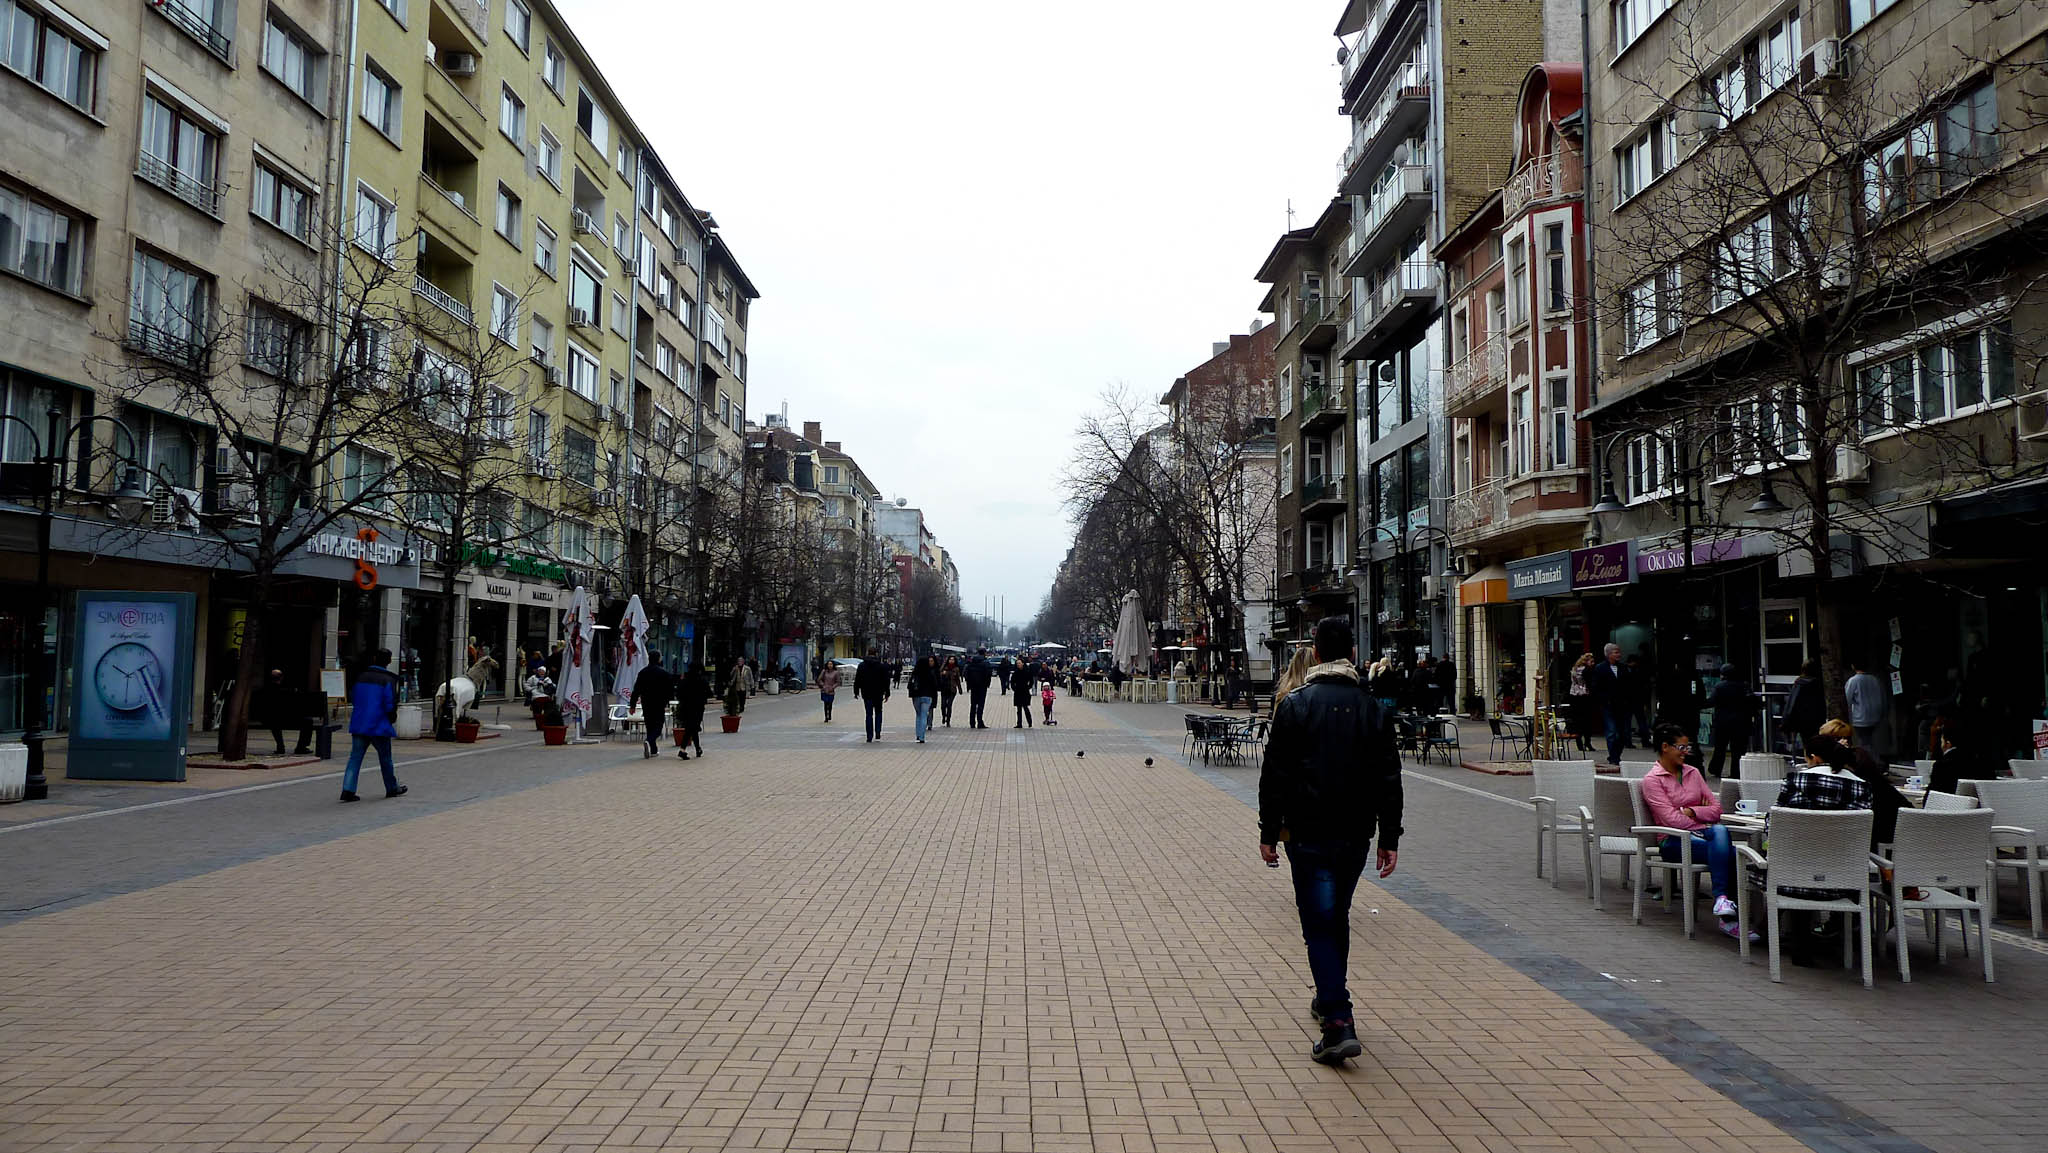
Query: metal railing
{"points": [[438, 297], [1410, 276], [177, 348], [197, 26], [1322, 488], [1480, 507], [1476, 372], [1542, 178], [162, 173], [1367, 131], [1317, 398]]}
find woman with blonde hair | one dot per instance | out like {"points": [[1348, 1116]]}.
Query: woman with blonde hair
{"points": [[1581, 711], [1296, 674]]}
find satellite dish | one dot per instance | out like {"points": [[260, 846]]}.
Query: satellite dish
{"points": [[902, 502], [1343, 53]]}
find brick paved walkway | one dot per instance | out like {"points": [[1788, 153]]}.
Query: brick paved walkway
{"points": [[802, 942]]}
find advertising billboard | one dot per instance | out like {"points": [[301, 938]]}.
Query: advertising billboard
{"points": [[131, 687]]}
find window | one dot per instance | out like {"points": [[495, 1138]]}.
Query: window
{"points": [[831, 474], [42, 242], [498, 420], [518, 24], [396, 8], [1654, 309], [1286, 550], [579, 457], [508, 215], [1937, 155], [365, 475], [512, 115], [1862, 12], [625, 162], [618, 403], [537, 435], [294, 60], [442, 388], [1650, 466], [1744, 263], [1632, 17], [494, 517], [582, 372], [1557, 421], [1557, 284], [1762, 65], [543, 335], [1518, 282], [535, 526], [648, 264], [543, 247], [505, 314], [382, 100], [281, 201], [1647, 156], [1761, 432], [168, 308], [1521, 432], [277, 341], [575, 542], [585, 295], [1938, 380], [180, 153], [1416, 460], [714, 333], [664, 358], [369, 356], [1969, 134], [591, 121], [433, 503], [376, 224], [667, 291], [48, 53], [1316, 535], [547, 158], [622, 236], [554, 69], [1286, 389], [1286, 469], [202, 20], [607, 548]]}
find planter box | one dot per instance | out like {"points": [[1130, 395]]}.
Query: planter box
{"points": [[729, 723], [466, 732], [555, 734], [681, 736]]}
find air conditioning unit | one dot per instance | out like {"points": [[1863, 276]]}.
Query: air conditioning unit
{"points": [[584, 223], [1823, 63], [1852, 465], [665, 299], [1429, 586], [1834, 271], [607, 500], [459, 64], [632, 267], [541, 467], [581, 318], [177, 507], [2030, 415], [237, 497]]}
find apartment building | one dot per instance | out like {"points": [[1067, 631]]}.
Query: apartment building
{"points": [[1425, 84], [1516, 312], [859, 603], [163, 183], [1820, 411]]}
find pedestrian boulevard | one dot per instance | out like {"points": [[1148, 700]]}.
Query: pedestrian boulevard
{"points": [[800, 942]]}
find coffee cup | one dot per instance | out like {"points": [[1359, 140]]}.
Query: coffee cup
{"points": [[1746, 806]]}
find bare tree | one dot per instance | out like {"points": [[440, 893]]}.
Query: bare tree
{"points": [[1881, 192]]}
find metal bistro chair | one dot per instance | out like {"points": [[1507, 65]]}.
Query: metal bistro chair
{"points": [[1611, 830], [1441, 734], [1564, 789], [1940, 853], [1196, 732], [2022, 828], [1811, 849]]}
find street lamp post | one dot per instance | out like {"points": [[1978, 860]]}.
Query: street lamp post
{"points": [[49, 460], [1360, 576], [1689, 467]]}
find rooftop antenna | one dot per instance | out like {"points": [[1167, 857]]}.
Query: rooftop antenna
{"points": [[1290, 214]]}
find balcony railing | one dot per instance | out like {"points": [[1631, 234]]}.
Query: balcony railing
{"points": [[1476, 373], [198, 27], [1318, 398], [1320, 580], [160, 172], [1374, 25], [179, 348], [1406, 196], [1479, 508], [1317, 489], [433, 294], [1401, 89], [1543, 178]]}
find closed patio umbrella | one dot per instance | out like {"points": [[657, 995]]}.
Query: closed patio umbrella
{"points": [[1131, 647]]}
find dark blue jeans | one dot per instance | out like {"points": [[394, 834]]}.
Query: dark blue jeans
{"points": [[873, 713], [360, 744], [1712, 844], [1325, 876], [1617, 731]]}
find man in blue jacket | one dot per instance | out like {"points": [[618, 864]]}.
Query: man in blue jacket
{"points": [[979, 674], [374, 702]]}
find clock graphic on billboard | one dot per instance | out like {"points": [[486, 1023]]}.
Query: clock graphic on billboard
{"points": [[130, 680]]}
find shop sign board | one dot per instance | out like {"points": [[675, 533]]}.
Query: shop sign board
{"points": [[1539, 576], [1603, 566], [132, 692], [1704, 552], [513, 564]]}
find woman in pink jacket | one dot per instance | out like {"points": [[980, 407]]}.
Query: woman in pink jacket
{"points": [[1678, 798]]}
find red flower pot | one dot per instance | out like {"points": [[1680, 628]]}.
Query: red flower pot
{"points": [[682, 736], [554, 734], [466, 731], [729, 723]]}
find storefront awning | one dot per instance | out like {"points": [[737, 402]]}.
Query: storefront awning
{"points": [[1488, 586]]}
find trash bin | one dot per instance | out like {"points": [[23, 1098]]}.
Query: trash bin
{"points": [[408, 722], [323, 740], [13, 772]]}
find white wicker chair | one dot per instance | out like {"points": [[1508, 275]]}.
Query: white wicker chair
{"points": [[1811, 849], [1612, 822], [1948, 803], [1649, 841], [1563, 790], [1764, 793], [2022, 808], [2029, 770], [1760, 767], [1937, 852]]}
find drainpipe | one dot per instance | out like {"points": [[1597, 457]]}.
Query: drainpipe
{"points": [[697, 440], [1586, 194]]}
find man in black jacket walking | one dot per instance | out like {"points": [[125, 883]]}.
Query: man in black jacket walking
{"points": [[652, 690], [1331, 777], [979, 674], [1612, 687], [871, 684]]}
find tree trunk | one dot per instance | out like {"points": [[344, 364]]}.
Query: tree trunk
{"points": [[234, 720]]}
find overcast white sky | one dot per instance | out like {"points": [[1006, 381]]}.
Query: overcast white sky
{"points": [[967, 219]]}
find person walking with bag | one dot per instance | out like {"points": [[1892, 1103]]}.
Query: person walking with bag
{"points": [[651, 692], [691, 696], [871, 685], [371, 725], [949, 687], [828, 687], [1332, 778], [979, 674], [924, 687]]}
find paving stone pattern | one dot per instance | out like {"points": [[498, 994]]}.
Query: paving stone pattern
{"points": [[803, 942]]}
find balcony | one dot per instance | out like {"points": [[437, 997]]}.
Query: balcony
{"points": [[160, 172], [1323, 495], [189, 20], [447, 213], [1394, 117], [1319, 581], [1555, 177], [1477, 378], [474, 15], [1479, 511], [1368, 51], [454, 107], [1521, 509], [1404, 290], [1397, 207], [1321, 404], [181, 348], [1322, 320], [440, 298]]}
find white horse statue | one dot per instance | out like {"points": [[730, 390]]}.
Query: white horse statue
{"points": [[467, 687]]}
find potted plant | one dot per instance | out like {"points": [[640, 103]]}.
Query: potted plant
{"points": [[735, 700], [552, 730], [466, 729]]}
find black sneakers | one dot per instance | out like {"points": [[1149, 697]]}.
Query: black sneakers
{"points": [[397, 792], [347, 797], [1339, 1042]]}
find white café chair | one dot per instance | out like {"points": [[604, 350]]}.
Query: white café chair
{"points": [[1610, 828], [1650, 841], [624, 718], [2022, 808], [1810, 849], [1938, 853], [1760, 767], [1764, 793], [1564, 789], [2029, 770], [1948, 802]]}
